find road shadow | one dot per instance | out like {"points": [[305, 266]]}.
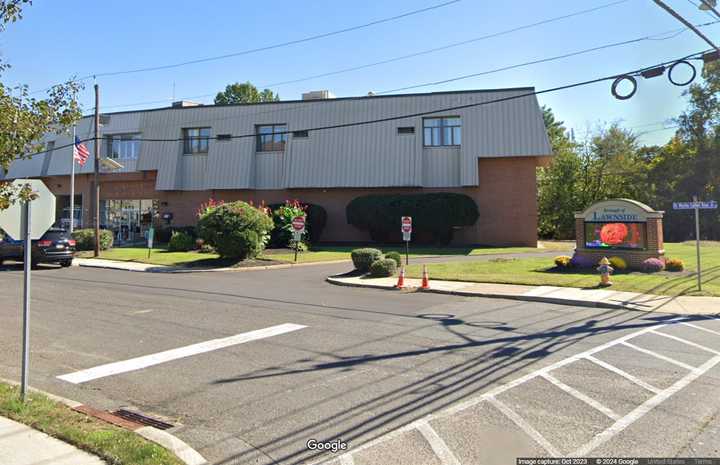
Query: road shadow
{"points": [[434, 392]]}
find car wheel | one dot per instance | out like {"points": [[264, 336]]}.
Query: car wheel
{"points": [[66, 263]]}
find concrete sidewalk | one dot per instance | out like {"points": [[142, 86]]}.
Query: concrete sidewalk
{"points": [[22, 445], [148, 268], [603, 298]]}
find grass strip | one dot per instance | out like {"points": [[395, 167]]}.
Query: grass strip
{"points": [[115, 445]]}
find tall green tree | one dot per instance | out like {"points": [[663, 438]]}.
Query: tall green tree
{"points": [[557, 182], [25, 119], [244, 93]]}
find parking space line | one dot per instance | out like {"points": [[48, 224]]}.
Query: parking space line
{"points": [[174, 354], [701, 328], [624, 374], [583, 397], [441, 449], [660, 356], [644, 408], [525, 426], [685, 341]]}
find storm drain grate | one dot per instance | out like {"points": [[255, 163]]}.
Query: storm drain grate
{"points": [[142, 419]]}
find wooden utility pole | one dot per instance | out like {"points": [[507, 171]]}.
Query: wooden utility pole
{"points": [[97, 171]]}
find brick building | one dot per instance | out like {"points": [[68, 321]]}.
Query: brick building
{"points": [[484, 143]]}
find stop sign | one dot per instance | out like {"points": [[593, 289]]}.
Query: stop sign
{"points": [[298, 223], [42, 212], [406, 222]]}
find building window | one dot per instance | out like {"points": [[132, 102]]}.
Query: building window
{"points": [[301, 134], [440, 132], [123, 146], [406, 130], [271, 137], [196, 140]]}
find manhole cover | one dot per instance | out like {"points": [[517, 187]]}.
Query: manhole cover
{"points": [[142, 419]]}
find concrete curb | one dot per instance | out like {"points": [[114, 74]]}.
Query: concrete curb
{"points": [[118, 265], [170, 442], [526, 298]]}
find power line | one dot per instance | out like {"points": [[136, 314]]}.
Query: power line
{"points": [[402, 57], [260, 49], [677, 16], [543, 60], [696, 55], [655, 37], [279, 45]]}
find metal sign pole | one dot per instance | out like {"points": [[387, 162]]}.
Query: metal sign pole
{"points": [[407, 252], [26, 301], [697, 244]]}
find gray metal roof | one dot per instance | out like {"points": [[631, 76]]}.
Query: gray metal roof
{"points": [[367, 155]]}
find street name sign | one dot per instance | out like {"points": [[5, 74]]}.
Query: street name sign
{"points": [[709, 205], [42, 213]]}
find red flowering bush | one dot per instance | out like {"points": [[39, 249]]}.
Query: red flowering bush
{"points": [[613, 233], [235, 230]]}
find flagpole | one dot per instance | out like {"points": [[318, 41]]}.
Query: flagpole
{"points": [[72, 184]]}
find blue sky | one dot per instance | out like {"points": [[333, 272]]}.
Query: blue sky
{"points": [[57, 40]]}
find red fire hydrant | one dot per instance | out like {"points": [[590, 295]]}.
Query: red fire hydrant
{"points": [[605, 270]]}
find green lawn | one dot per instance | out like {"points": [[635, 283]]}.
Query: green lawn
{"points": [[115, 445], [160, 255], [537, 271]]}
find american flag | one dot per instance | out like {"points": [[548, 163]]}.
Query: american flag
{"points": [[80, 152]]}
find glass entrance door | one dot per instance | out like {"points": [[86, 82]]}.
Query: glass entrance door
{"points": [[128, 219]]}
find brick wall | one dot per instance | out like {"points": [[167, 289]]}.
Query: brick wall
{"points": [[506, 197]]}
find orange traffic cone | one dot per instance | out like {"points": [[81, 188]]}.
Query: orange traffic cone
{"points": [[401, 278], [425, 280]]}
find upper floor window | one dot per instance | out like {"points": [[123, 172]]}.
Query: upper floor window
{"points": [[271, 137], [196, 140], [444, 131], [123, 146]]}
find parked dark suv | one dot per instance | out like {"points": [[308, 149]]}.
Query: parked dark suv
{"points": [[55, 246]]}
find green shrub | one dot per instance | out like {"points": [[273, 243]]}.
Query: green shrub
{"points": [[435, 215], [394, 256], [301, 246], [85, 239], [618, 263], [562, 261], [674, 264], [363, 258], [206, 248], [180, 242], [235, 230], [315, 220], [383, 268], [163, 234]]}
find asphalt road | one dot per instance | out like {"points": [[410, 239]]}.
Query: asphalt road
{"points": [[452, 379]]}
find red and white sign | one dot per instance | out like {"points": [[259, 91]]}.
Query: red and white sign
{"points": [[406, 222], [298, 223]]}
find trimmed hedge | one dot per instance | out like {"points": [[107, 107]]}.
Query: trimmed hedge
{"points": [[363, 258], [85, 239], [435, 215], [394, 256], [383, 268], [180, 242], [164, 234]]}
